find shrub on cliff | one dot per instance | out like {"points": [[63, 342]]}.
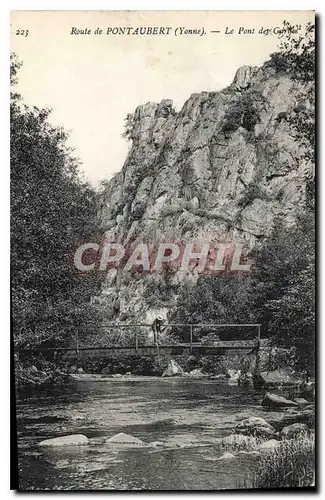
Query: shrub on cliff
{"points": [[296, 57]]}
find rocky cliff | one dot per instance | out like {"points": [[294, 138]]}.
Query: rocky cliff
{"points": [[225, 166]]}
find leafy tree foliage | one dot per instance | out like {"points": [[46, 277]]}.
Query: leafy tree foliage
{"points": [[217, 299], [284, 278], [128, 126], [53, 210]]}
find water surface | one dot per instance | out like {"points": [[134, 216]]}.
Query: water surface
{"points": [[187, 414]]}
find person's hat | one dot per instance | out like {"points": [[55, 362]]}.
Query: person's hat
{"points": [[160, 318]]}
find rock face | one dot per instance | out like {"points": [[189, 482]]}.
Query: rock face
{"points": [[223, 168], [72, 440]]}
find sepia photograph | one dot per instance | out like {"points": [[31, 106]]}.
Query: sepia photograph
{"points": [[162, 250]]}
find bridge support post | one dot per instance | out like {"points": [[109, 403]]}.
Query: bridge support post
{"points": [[191, 339], [258, 381], [77, 347]]}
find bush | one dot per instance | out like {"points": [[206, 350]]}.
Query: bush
{"points": [[252, 192], [37, 371], [128, 126], [243, 114]]}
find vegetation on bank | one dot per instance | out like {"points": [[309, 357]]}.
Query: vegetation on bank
{"points": [[289, 465], [52, 210]]}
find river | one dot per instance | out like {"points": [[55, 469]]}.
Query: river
{"points": [[187, 414]]}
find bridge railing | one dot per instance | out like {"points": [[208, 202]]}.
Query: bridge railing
{"points": [[185, 335]]}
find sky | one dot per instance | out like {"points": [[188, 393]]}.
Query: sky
{"points": [[93, 81]]}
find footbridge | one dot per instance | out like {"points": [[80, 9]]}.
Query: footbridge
{"points": [[136, 343]]}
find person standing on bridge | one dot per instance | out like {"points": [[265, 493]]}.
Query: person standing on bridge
{"points": [[156, 328]]}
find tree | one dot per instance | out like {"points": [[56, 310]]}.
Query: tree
{"points": [[217, 299], [284, 277], [128, 126], [52, 210]]}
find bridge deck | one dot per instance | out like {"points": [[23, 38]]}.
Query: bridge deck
{"points": [[151, 350]]}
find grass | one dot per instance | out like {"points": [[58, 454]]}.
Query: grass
{"points": [[239, 442], [291, 464]]}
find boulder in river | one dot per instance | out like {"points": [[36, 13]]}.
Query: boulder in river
{"points": [[157, 444], [226, 456], [173, 369], [71, 440], [301, 401], [275, 401], [292, 431], [269, 445], [233, 375], [255, 426], [197, 373], [304, 416], [280, 377], [123, 438]]}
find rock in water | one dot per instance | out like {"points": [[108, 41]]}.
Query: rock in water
{"points": [[173, 369], [274, 401], [233, 375], [292, 431], [301, 401], [255, 426], [269, 445], [197, 373], [71, 440], [280, 376], [226, 456], [122, 438], [157, 444]]}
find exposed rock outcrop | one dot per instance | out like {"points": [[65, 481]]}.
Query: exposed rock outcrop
{"points": [[223, 168]]}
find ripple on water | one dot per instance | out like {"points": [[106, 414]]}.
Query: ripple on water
{"points": [[187, 415]]}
